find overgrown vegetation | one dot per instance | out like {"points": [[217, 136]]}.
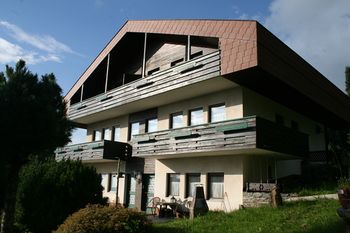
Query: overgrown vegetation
{"points": [[33, 121], [48, 192], [104, 219], [309, 216]]}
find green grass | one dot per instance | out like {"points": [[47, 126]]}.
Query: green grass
{"points": [[321, 189], [307, 216]]}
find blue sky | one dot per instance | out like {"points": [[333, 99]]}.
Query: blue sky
{"points": [[64, 36]]}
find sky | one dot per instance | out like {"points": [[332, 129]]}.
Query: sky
{"points": [[63, 37]]}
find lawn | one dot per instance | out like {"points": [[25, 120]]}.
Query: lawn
{"points": [[306, 216]]}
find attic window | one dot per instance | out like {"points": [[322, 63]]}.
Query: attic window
{"points": [[176, 62], [153, 71], [197, 54]]}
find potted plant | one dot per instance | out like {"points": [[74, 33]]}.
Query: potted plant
{"points": [[344, 192]]}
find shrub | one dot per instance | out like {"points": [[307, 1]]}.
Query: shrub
{"points": [[104, 219], [49, 192]]}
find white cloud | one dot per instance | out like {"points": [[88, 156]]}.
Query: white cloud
{"points": [[12, 53], [318, 30], [44, 48]]}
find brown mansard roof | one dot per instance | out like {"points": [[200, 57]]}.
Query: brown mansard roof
{"points": [[252, 57]]}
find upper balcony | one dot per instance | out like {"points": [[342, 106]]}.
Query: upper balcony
{"points": [[258, 135], [183, 81], [95, 151]]}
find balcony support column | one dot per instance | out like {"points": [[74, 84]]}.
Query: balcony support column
{"points": [[81, 92], [144, 56], [107, 71], [188, 48]]}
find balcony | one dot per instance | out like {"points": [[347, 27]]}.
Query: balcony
{"points": [[95, 151], [226, 137], [161, 87]]}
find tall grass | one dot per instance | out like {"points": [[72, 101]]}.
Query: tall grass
{"points": [[307, 217]]}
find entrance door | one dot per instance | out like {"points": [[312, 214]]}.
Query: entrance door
{"points": [[147, 191], [131, 192]]}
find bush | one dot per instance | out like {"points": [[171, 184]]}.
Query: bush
{"points": [[48, 192], [104, 219]]}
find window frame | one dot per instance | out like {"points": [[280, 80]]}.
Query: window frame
{"points": [[210, 117], [209, 185], [188, 186], [94, 133], [104, 131], [171, 120], [147, 125], [113, 133], [110, 183], [190, 116], [130, 136], [169, 191]]}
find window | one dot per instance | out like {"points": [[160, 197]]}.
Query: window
{"points": [[216, 185], [196, 116], [279, 119], [191, 183], [97, 136], [116, 133], [134, 129], [152, 125], [176, 120], [104, 181], [113, 182], [107, 134], [217, 113], [173, 184]]}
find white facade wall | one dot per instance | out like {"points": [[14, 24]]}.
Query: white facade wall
{"points": [[231, 166], [111, 168]]}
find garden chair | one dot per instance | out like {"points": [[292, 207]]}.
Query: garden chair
{"points": [[154, 205]]}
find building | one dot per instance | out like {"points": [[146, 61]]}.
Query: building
{"points": [[170, 104]]}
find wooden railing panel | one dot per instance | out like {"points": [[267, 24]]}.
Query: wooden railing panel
{"points": [[94, 151], [164, 81], [201, 138]]}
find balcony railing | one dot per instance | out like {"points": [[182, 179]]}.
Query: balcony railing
{"points": [[194, 71], [93, 151], [245, 133]]}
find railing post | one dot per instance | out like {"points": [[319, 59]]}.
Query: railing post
{"points": [[144, 57]]}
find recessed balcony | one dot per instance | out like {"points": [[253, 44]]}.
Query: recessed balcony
{"points": [[182, 81], [245, 135]]}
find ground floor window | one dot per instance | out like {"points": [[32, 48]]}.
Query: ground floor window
{"points": [[216, 185], [173, 184], [192, 180], [112, 182]]}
